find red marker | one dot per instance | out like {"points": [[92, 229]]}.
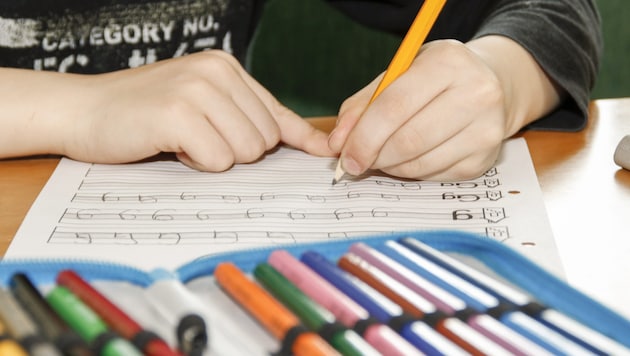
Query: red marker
{"points": [[150, 343]]}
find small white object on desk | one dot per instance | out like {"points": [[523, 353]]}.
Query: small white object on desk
{"points": [[622, 153]]}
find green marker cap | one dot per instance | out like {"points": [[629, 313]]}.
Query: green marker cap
{"points": [[78, 315], [88, 324], [313, 315]]}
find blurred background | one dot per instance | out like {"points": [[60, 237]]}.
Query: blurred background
{"points": [[311, 56]]}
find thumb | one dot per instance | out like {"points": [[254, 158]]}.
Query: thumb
{"points": [[349, 114]]}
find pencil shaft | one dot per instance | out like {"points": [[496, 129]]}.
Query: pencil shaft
{"points": [[409, 47], [411, 43]]}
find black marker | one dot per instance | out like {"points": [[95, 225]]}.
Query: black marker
{"points": [[52, 327], [20, 326]]}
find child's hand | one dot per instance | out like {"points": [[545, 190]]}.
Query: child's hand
{"points": [[445, 118], [203, 107]]}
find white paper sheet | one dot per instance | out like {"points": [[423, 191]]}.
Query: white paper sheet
{"points": [[163, 214]]}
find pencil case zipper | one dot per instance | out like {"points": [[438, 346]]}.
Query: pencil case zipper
{"points": [[501, 259]]}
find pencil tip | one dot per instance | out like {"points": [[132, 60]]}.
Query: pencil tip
{"points": [[338, 173]]}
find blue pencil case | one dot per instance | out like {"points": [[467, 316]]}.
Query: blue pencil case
{"points": [[594, 328]]}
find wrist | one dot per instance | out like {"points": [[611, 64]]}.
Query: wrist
{"points": [[38, 111], [529, 93]]}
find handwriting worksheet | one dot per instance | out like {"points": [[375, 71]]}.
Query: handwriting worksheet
{"points": [[164, 214]]}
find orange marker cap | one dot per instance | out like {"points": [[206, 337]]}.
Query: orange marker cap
{"points": [[268, 311]]}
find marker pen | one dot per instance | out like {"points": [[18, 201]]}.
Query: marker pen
{"points": [[346, 310], [88, 325], [146, 341], [275, 318], [543, 335], [416, 332], [50, 324], [518, 300], [22, 328], [468, 338], [313, 315], [447, 302]]}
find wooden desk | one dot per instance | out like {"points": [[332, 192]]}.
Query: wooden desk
{"points": [[587, 198], [586, 195]]}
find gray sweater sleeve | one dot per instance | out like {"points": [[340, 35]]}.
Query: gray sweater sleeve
{"points": [[564, 36]]}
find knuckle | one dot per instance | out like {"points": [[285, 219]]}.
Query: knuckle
{"points": [[489, 91], [218, 68], [475, 166], [272, 137], [214, 63], [452, 48], [448, 54], [350, 104], [252, 150], [494, 135], [269, 130], [220, 163], [195, 85], [174, 107], [227, 57], [210, 162], [489, 139]]}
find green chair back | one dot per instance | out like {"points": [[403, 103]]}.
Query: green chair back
{"points": [[614, 75], [312, 57]]}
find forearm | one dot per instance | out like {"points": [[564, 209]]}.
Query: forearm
{"points": [[36, 109], [529, 93], [564, 37]]}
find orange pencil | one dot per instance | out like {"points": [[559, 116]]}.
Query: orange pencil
{"points": [[409, 47], [277, 319]]}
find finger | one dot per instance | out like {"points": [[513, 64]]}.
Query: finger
{"points": [[433, 125], [198, 144], [245, 93], [299, 133], [349, 114], [453, 160], [398, 103], [293, 129], [440, 120], [227, 118]]}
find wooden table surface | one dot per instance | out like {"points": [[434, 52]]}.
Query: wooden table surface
{"points": [[586, 195]]}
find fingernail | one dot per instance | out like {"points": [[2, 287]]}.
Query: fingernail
{"points": [[351, 166]]}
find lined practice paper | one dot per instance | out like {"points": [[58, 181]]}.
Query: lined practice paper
{"points": [[163, 214]]}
